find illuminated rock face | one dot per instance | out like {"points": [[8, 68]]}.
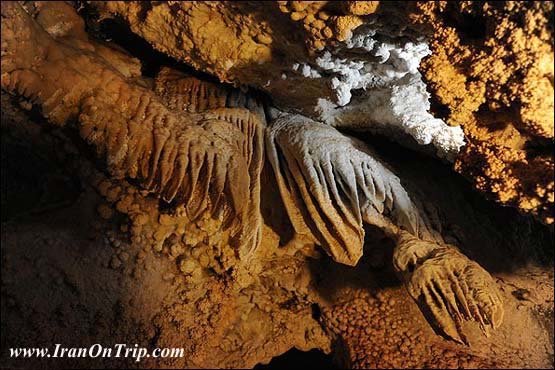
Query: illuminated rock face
{"points": [[223, 198], [362, 54], [355, 65], [492, 69]]}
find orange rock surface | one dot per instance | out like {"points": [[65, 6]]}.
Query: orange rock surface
{"points": [[491, 71], [94, 252]]}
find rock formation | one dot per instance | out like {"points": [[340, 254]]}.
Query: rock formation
{"points": [[304, 198], [493, 60], [497, 83]]}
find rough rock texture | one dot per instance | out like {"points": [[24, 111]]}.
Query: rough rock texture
{"points": [[154, 283], [211, 161], [331, 184], [279, 48], [491, 71], [159, 222]]}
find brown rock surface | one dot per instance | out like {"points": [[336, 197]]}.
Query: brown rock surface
{"points": [[491, 70], [104, 238]]}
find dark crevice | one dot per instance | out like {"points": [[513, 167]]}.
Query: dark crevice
{"points": [[539, 147], [530, 241], [316, 311], [116, 30], [472, 28], [34, 180], [297, 359]]}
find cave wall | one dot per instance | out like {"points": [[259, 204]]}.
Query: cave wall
{"points": [[116, 244]]}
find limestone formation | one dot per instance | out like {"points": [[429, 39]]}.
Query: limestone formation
{"points": [[331, 184], [210, 162], [498, 85], [489, 66], [295, 188], [450, 285], [374, 58]]}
